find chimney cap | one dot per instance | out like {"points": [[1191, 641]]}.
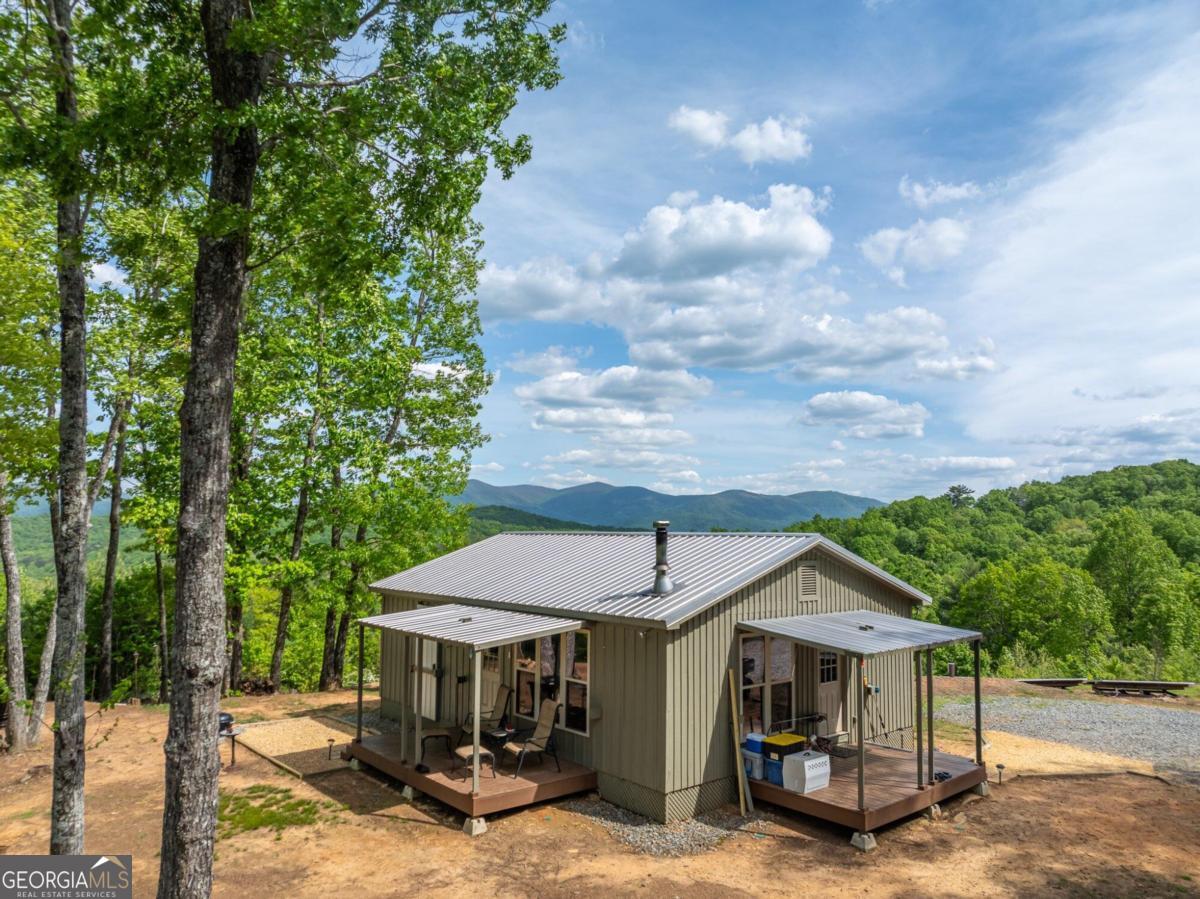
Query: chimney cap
{"points": [[660, 525]]}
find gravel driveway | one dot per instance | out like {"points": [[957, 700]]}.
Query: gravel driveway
{"points": [[1169, 738]]}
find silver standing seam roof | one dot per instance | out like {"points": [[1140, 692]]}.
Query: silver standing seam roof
{"points": [[860, 633], [606, 576], [471, 626]]}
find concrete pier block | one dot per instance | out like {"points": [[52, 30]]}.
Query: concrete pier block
{"points": [[863, 842], [474, 827]]}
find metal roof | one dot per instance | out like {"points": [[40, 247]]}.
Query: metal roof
{"points": [[471, 626], [607, 576], [860, 633]]}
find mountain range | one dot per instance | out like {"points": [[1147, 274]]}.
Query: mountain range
{"points": [[597, 503]]}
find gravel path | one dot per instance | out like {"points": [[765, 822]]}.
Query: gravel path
{"points": [[698, 834], [1169, 738]]}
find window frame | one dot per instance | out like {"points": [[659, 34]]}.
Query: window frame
{"points": [[768, 680], [560, 721]]}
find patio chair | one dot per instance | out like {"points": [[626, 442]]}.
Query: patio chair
{"points": [[540, 740], [488, 720]]}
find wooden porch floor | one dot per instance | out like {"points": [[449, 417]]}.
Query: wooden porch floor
{"points": [[538, 782], [891, 791]]}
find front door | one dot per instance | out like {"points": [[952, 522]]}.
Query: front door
{"points": [[831, 691]]}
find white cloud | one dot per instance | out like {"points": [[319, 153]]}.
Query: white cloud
{"points": [[865, 415], [551, 361], [957, 367], [627, 459], [935, 193], [702, 126], [774, 140], [565, 479], [621, 387], [104, 273], [725, 235], [486, 468], [967, 464], [924, 246]]}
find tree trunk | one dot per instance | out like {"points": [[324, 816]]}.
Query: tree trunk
{"points": [[285, 594], [328, 673], [66, 809], [14, 659], [197, 665], [104, 676], [163, 653], [339, 652]]}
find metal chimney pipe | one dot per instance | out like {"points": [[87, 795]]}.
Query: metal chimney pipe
{"points": [[662, 580]]}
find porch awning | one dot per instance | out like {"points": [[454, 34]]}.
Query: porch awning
{"points": [[860, 633], [470, 626]]}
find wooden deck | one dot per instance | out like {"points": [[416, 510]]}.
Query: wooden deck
{"points": [[891, 788], [537, 783]]}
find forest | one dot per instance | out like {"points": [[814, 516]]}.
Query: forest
{"points": [[1096, 575]]}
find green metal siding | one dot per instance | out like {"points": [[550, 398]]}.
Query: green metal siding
{"points": [[700, 654]]}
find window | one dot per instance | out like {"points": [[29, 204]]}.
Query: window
{"points": [[555, 668], [527, 688], [575, 677], [768, 673], [828, 668]]}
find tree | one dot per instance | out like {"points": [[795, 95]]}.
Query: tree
{"points": [[960, 495], [427, 119], [1130, 564]]}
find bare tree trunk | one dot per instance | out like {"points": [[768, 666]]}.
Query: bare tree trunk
{"points": [[164, 654], [197, 665], [339, 651], [328, 673], [14, 659], [66, 810], [104, 675], [285, 593]]}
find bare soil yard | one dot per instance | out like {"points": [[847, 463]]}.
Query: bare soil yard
{"points": [[345, 832]]}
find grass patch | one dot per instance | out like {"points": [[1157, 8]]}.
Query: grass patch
{"points": [[948, 730], [263, 806], [939, 701], [23, 816]]}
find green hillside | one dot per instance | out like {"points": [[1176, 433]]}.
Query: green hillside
{"points": [[596, 503], [1095, 574], [486, 521]]}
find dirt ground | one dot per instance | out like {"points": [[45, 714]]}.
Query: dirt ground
{"points": [[1115, 834]]}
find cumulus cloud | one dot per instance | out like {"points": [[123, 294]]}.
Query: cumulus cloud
{"points": [[644, 460], [924, 246], [565, 479], [725, 235], [957, 367], [620, 387], [486, 468], [774, 139], [935, 193], [967, 464], [551, 361], [865, 415], [702, 126]]}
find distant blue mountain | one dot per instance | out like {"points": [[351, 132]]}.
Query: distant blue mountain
{"points": [[597, 503]]}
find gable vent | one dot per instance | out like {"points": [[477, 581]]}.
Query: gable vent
{"points": [[808, 580]]}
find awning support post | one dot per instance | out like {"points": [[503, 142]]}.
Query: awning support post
{"points": [[358, 726], [920, 733], [405, 674], [929, 708], [862, 734], [978, 707], [418, 645], [476, 677]]}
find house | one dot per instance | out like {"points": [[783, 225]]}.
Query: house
{"points": [[635, 635]]}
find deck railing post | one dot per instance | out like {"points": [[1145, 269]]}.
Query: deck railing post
{"points": [[920, 735], [358, 727], [978, 707], [475, 679], [405, 674], [929, 708], [862, 733]]}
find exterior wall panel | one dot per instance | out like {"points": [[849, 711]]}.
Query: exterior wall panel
{"points": [[699, 753]]}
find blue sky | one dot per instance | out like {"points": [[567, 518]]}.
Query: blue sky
{"points": [[874, 247]]}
